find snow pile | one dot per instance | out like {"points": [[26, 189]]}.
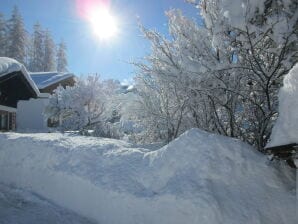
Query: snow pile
{"points": [[285, 130], [9, 65], [30, 115], [198, 178], [20, 207]]}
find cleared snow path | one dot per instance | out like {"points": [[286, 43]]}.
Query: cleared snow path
{"points": [[198, 178], [21, 207]]}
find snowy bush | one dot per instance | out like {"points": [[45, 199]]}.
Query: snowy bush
{"points": [[261, 38], [94, 108], [78, 107]]}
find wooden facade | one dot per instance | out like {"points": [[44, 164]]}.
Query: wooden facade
{"points": [[15, 87]]}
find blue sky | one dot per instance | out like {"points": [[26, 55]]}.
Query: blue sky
{"points": [[86, 54]]}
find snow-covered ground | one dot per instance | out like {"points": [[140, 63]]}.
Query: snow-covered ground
{"points": [[198, 178], [20, 207]]}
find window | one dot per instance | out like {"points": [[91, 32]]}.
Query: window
{"points": [[4, 121], [7, 120]]}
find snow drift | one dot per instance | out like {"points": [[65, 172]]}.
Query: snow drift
{"points": [[285, 130], [198, 178]]}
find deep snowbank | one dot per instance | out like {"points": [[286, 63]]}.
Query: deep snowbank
{"points": [[198, 178], [285, 130]]}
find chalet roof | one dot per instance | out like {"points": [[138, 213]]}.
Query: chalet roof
{"points": [[9, 65], [45, 79]]}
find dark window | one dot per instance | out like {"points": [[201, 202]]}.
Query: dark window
{"points": [[4, 121]]}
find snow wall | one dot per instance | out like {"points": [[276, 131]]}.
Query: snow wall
{"points": [[198, 178], [30, 117], [285, 130]]}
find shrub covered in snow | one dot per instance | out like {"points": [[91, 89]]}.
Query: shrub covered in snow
{"points": [[77, 107], [223, 77]]}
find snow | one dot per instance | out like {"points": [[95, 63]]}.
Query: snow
{"points": [[21, 207], [8, 109], [9, 65], [45, 79], [30, 115], [285, 130], [198, 178]]}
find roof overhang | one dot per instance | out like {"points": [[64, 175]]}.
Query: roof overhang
{"points": [[54, 78], [9, 66]]}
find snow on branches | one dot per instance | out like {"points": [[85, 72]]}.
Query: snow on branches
{"points": [[77, 107], [223, 77]]}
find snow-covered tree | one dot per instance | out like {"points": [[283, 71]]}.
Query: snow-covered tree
{"points": [[2, 36], [37, 51], [261, 36], [210, 106], [49, 53], [158, 111], [222, 77], [36, 63], [164, 82], [177, 85], [61, 57], [78, 107], [16, 37]]}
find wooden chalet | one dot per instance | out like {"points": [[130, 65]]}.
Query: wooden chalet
{"points": [[15, 84]]}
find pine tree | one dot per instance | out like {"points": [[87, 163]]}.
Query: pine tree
{"points": [[16, 37], [61, 58], [2, 35], [49, 53], [37, 52]]}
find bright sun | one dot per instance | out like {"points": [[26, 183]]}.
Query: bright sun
{"points": [[103, 23]]}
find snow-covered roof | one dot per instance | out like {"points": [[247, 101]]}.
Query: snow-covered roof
{"points": [[9, 65], [45, 79]]}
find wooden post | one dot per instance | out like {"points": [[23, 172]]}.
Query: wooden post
{"points": [[8, 128]]}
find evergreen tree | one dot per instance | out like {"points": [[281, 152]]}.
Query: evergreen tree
{"points": [[49, 53], [61, 58], [37, 53], [2, 35], [28, 50], [16, 37]]}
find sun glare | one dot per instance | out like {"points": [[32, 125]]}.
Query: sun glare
{"points": [[103, 23]]}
